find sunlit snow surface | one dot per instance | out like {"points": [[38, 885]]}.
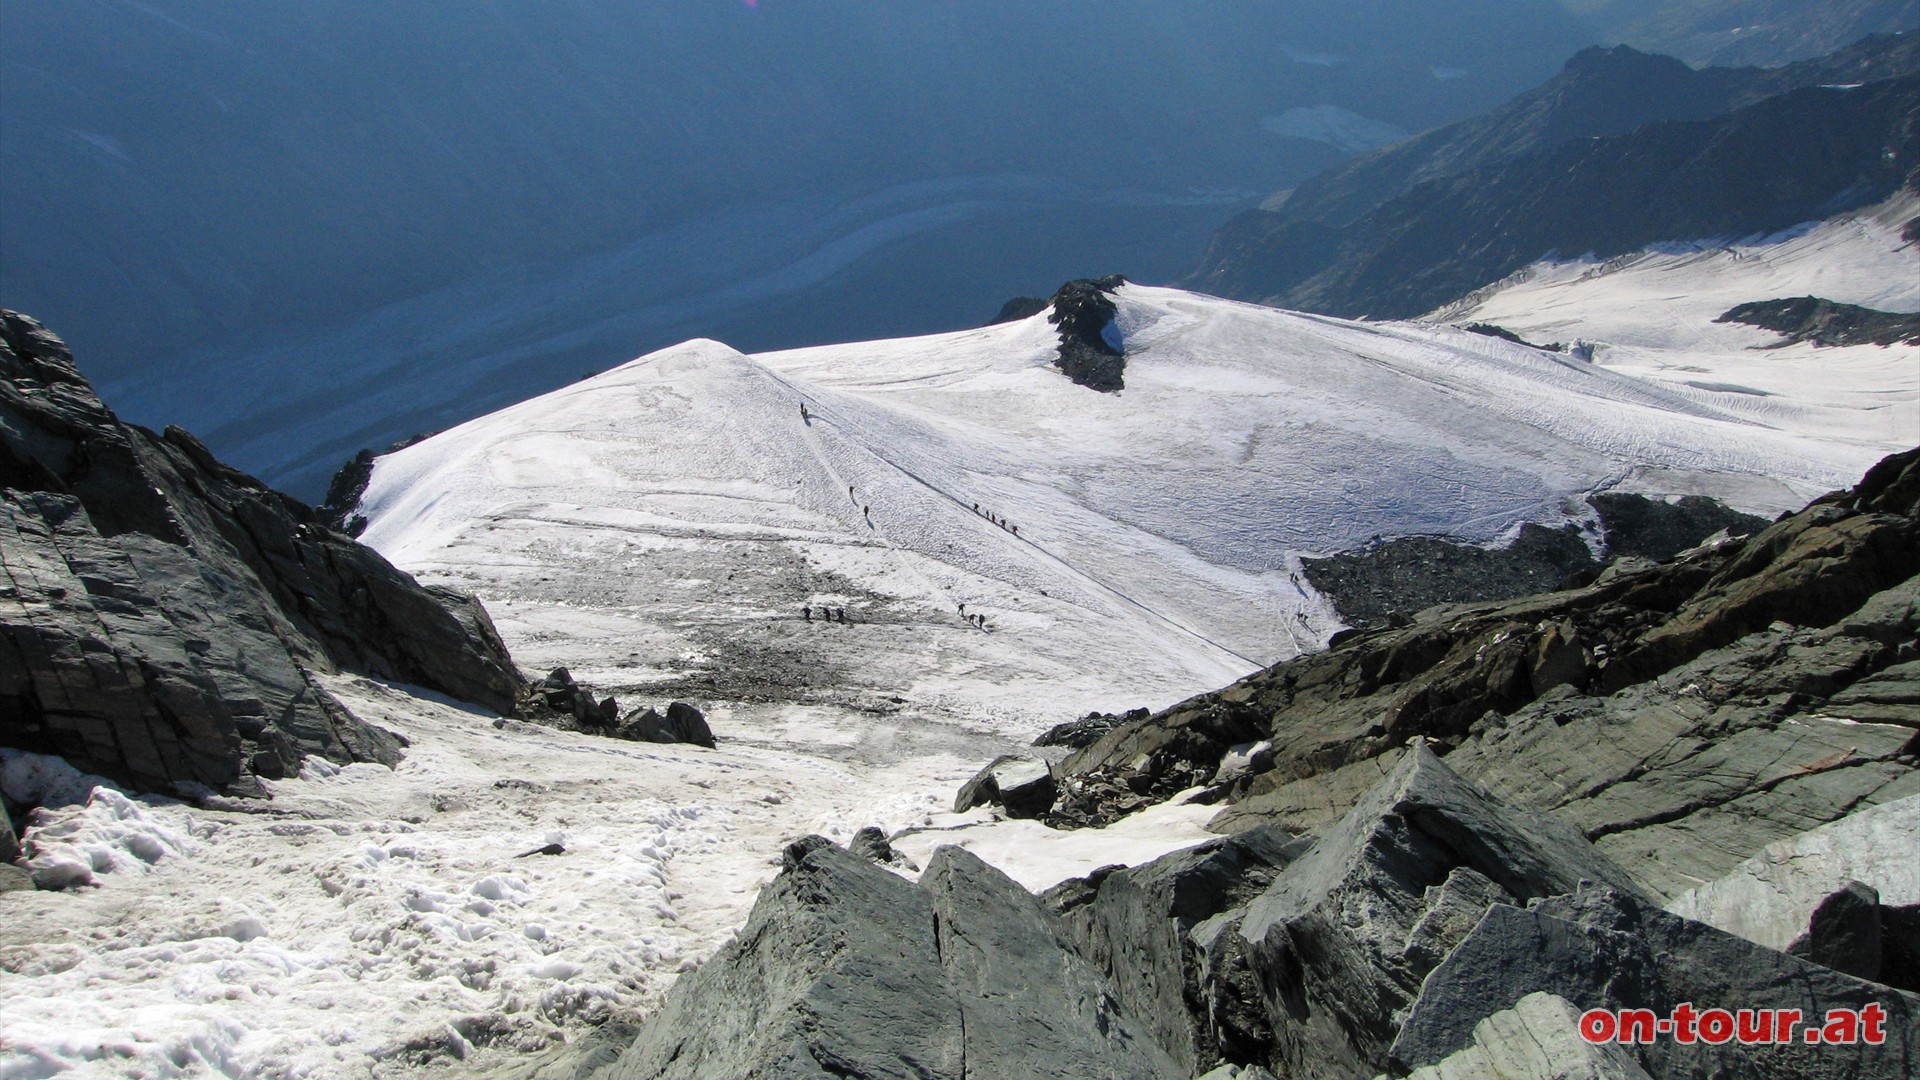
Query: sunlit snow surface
{"points": [[659, 529]]}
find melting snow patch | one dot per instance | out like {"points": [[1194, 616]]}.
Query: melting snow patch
{"points": [[110, 834]]}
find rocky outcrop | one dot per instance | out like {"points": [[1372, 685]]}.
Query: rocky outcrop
{"points": [[847, 970], [1682, 716], [682, 724], [559, 701], [1824, 322], [163, 618], [1089, 353], [1137, 926], [1386, 583]]}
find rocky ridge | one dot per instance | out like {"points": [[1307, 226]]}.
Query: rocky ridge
{"points": [[1824, 322], [1388, 582], [164, 618]]}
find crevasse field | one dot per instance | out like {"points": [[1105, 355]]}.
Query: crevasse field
{"points": [[659, 529]]}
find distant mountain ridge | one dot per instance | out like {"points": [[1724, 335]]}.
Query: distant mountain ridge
{"points": [[1620, 150]]}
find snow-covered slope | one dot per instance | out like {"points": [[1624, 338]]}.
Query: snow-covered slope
{"points": [[1652, 316], [662, 525]]}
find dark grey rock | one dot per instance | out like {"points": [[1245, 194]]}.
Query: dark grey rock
{"points": [[846, 970], [1844, 932], [15, 878], [9, 840], [796, 852], [1900, 947], [1341, 940], [1084, 312], [165, 618], [836, 974], [1825, 322], [1023, 787], [1030, 1006], [1605, 949], [871, 844], [682, 724], [1134, 926]]}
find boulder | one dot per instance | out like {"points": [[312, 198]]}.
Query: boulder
{"points": [[1844, 932], [871, 844], [1605, 949], [682, 724], [561, 702], [15, 878], [1023, 787], [836, 974], [1030, 1006]]}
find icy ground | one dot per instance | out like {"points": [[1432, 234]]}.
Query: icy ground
{"points": [[659, 529], [377, 922], [1653, 316]]}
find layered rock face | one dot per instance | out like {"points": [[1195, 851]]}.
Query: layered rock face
{"points": [[162, 617]]}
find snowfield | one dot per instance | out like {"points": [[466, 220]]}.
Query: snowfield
{"points": [[666, 528], [1652, 315]]}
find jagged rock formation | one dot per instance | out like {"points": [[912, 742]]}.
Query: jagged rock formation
{"points": [[163, 617], [1681, 715], [1432, 926], [846, 970], [1084, 313], [1823, 322], [1620, 150], [1606, 949], [1388, 582]]}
